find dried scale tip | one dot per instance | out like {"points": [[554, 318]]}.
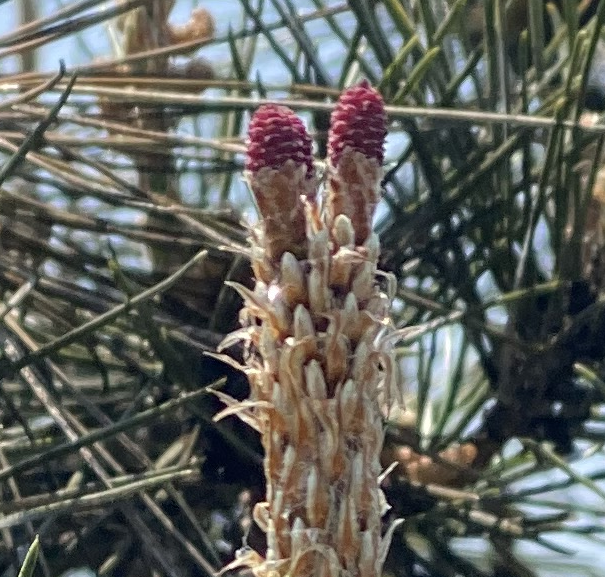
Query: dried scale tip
{"points": [[279, 168], [318, 350], [355, 156]]}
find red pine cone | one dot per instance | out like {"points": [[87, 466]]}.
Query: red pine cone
{"points": [[275, 135], [359, 121]]}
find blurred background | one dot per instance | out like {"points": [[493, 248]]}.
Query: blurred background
{"points": [[123, 211]]}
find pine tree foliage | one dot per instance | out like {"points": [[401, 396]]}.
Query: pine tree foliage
{"points": [[123, 214]]}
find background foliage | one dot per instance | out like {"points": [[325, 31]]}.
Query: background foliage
{"points": [[122, 214]]}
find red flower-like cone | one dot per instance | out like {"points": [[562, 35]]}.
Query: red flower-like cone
{"points": [[279, 168], [318, 345], [355, 156]]}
